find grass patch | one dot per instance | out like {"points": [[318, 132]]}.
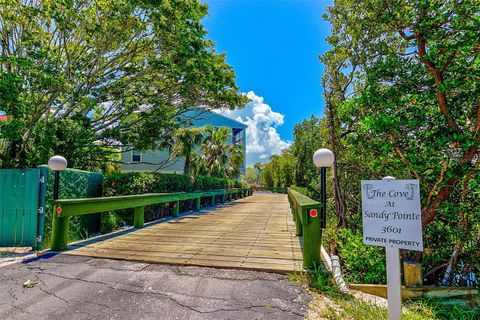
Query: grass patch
{"points": [[342, 306], [348, 307], [4, 253]]}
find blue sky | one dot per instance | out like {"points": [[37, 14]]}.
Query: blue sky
{"points": [[273, 47]]}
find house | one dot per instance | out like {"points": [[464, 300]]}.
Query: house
{"points": [[158, 160]]}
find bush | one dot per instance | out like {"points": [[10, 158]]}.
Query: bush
{"points": [[361, 263], [149, 182]]}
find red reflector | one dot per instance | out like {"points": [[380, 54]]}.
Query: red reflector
{"points": [[313, 213], [59, 210], [174, 205]]}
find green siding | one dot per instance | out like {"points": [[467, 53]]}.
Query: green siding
{"points": [[19, 199]]}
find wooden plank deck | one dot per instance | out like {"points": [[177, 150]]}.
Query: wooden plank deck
{"points": [[255, 233]]}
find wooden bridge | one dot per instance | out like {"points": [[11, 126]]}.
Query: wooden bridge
{"points": [[256, 232]]}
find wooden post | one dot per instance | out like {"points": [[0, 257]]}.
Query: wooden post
{"points": [[394, 293], [197, 204], [212, 201], [175, 208], [312, 236], [59, 232], [412, 274], [138, 217]]}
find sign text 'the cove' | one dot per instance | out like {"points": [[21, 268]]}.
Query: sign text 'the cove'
{"points": [[392, 214]]}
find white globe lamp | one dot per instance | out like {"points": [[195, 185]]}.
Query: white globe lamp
{"points": [[323, 158], [57, 163]]}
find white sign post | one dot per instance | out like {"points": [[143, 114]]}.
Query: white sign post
{"points": [[392, 219]]}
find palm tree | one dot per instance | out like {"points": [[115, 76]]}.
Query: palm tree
{"points": [[186, 139], [235, 160], [219, 158]]}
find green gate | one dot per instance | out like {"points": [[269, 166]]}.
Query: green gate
{"points": [[19, 207]]}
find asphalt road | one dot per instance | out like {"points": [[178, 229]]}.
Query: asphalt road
{"points": [[71, 287]]}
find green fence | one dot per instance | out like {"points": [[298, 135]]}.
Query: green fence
{"points": [[25, 203], [19, 207], [64, 209], [306, 214]]}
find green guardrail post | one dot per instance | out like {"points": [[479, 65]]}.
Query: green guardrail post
{"points": [[197, 204], [138, 217], [59, 231], [175, 208], [223, 198], [212, 201], [312, 238]]}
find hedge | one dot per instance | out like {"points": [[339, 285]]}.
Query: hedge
{"points": [[115, 184]]}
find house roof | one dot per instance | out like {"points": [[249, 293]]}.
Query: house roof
{"points": [[4, 118], [202, 116]]}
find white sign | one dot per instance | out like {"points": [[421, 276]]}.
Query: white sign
{"points": [[391, 214]]}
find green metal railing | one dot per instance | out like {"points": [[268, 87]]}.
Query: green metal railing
{"points": [[274, 190], [306, 214], [63, 209]]}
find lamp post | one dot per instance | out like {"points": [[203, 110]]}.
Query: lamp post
{"points": [[59, 234], [323, 159], [57, 164]]}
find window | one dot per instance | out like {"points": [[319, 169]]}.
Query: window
{"points": [[237, 136], [136, 156]]}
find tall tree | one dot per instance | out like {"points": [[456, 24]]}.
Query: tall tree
{"points": [[307, 140], [80, 77], [418, 74]]}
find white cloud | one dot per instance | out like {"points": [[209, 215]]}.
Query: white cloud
{"points": [[263, 140]]}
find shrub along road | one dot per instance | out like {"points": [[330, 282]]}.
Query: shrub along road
{"points": [[86, 288]]}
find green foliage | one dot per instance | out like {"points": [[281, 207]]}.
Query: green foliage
{"points": [[185, 141], [337, 305], [361, 263], [322, 280], [279, 172], [349, 307], [307, 139], [219, 158], [251, 175], [149, 182], [402, 99], [113, 220], [78, 77]]}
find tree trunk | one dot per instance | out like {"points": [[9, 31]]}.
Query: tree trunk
{"points": [[452, 263], [340, 206], [186, 166]]}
